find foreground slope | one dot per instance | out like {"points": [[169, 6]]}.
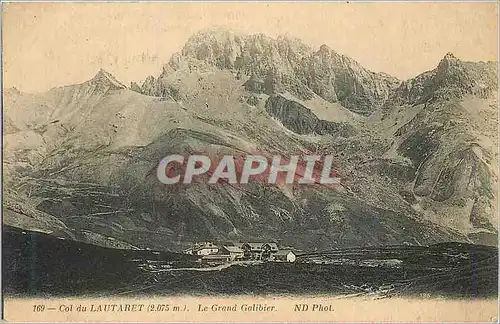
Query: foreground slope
{"points": [[76, 269]]}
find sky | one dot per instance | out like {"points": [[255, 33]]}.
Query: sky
{"points": [[52, 44]]}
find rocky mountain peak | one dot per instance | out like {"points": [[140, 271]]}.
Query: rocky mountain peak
{"points": [[449, 56], [220, 34], [447, 61], [228, 49], [106, 79], [458, 78], [452, 78], [324, 50], [275, 65], [216, 46], [149, 86]]}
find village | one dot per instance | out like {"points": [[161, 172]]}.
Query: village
{"points": [[211, 254]]}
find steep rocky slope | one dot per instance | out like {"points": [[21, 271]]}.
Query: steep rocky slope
{"points": [[416, 158], [301, 120], [442, 126]]}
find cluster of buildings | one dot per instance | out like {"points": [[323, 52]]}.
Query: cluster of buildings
{"points": [[265, 251]]}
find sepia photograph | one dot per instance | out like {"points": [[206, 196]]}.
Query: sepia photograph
{"points": [[250, 161]]}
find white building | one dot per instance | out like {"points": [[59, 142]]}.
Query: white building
{"points": [[206, 248], [285, 256]]}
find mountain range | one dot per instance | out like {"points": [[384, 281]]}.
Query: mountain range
{"points": [[417, 158]]}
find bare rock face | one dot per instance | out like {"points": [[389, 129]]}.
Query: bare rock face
{"points": [[336, 77], [217, 47], [293, 115], [301, 120], [453, 177], [149, 87]]}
